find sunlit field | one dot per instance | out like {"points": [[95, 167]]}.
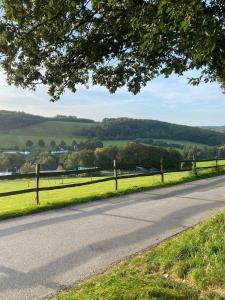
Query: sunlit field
{"points": [[22, 204], [211, 163]]}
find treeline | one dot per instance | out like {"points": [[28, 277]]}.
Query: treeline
{"points": [[64, 118], [62, 145], [126, 128], [129, 157]]}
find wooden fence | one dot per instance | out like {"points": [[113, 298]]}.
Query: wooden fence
{"points": [[116, 177]]}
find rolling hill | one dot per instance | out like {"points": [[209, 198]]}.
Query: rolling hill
{"points": [[18, 127]]}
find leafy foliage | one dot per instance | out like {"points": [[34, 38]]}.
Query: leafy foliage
{"points": [[63, 43], [11, 161]]}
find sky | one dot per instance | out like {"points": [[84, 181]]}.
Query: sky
{"points": [[165, 99]]}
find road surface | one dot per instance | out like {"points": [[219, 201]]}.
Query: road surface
{"points": [[43, 253]]}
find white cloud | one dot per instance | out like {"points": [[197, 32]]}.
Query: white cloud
{"points": [[170, 99]]}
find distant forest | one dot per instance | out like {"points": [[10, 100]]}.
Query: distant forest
{"points": [[126, 128]]}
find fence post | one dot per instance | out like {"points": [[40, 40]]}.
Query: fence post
{"points": [[115, 174], [37, 182], [162, 170], [216, 164], [194, 166]]}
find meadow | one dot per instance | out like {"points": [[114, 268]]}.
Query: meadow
{"points": [[58, 131], [26, 203], [183, 143], [48, 131], [212, 163]]}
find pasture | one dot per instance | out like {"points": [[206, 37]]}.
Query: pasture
{"points": [[48, 131], [19, 204], [58, 131], [210, 163], [26, 203], [183, 142]]}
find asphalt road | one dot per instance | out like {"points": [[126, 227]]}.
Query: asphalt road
{"points": [[43, 253]]}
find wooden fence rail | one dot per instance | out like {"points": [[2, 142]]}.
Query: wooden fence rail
{"points": [[48, 174], [115, 178]]}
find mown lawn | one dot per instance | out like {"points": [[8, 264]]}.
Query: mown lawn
{"points": [[24, 204], [188, 267]]}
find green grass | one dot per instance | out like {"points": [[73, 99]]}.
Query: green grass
{"points": [[10, 141], [24, 204], [183, 142], [51, 128], [188, 267], [212, 163], [115, 142], [58, 131]]}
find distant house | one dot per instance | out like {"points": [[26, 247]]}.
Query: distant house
{"points": [[15, 152], [10, 152], [5, 173], [59, 152], [25, 152]]}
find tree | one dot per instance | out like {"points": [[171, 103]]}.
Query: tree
{"points": [[28, 167], [11, 161], [41, 143], [133, 155], [69, 161], [104, 156], [62, 144], [65, 43], [190, 152], [47, 161], [52, 144], [29, 143], [86, 158]]}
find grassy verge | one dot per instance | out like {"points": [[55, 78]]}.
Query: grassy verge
{"points": [[189, 266], [25, 204]]}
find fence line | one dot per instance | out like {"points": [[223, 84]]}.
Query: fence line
{"points": [[116, 177], [47, 174]]}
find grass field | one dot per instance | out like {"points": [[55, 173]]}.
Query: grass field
{"points": [[48, 128], [23, 204], [182, 142], [115, 142], [48, 131], [58, 131], [212, 163], [188, 267]]}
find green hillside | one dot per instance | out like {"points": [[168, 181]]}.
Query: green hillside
{"points": [[12, 119], [18, 127], [127, 128], [53, 129]]}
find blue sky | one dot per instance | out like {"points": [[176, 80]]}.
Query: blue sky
{"points": [[171, 100]]}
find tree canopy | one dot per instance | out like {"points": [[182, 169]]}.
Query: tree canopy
{"points": [[114, 43]]}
